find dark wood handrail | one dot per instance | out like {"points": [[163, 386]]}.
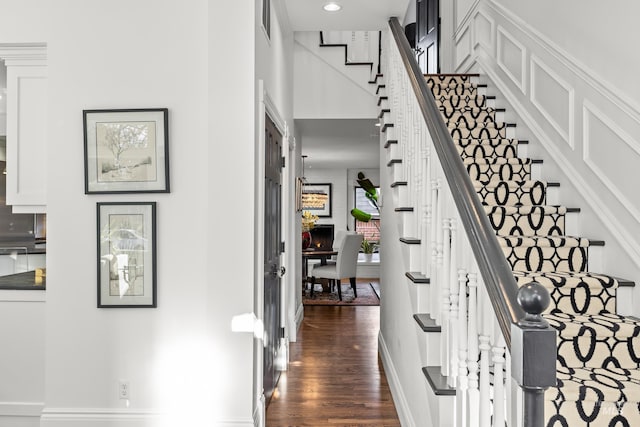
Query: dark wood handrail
{"points": [[496, 272]]}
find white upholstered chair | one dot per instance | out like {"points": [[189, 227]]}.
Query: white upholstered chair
{"points": [[345, 266]]}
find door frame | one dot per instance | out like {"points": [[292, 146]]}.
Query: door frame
{"points": [[266, 106]]}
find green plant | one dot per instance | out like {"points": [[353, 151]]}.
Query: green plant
{"points": [[371, 194], [369, 246]]}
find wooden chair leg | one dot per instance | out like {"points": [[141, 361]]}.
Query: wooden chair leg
{"points": [[338, 281], [313, 282], [353, 286]]}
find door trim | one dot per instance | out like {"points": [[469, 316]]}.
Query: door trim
{"points": [[266, 106]]}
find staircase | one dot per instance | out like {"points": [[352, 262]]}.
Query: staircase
{"points": [[598, 350]]}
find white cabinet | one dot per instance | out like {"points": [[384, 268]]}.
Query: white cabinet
{"points": [[26, 126]]}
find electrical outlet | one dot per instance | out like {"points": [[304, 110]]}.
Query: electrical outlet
{"points": [[124, 389]]}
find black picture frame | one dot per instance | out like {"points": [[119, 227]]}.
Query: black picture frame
{"points": [[126, 151], [126, 254], [323, 211]]}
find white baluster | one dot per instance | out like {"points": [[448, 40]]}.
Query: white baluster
{"points": [[454, 300], [463, 339], [498, 351], [484, 330], [433, 288], [424, 247], [472, 355], [443, 283]]}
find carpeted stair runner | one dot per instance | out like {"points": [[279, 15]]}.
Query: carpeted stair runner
{"points": [[598, 350]]}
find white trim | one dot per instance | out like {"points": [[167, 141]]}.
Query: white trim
{"points": [[259, 414], [629, 245], [585, 73], [27, 54], [104, 417], [492, 34], [590, 110], [467, 18], [399, 399], [17, 295], [566, 134], [466, 34], [520, 82], [21, 409]]}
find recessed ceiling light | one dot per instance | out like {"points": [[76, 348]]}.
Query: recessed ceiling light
{"points": [[332, 7]]}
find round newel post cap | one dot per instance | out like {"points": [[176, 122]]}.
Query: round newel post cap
{"points": [[534, 300]]}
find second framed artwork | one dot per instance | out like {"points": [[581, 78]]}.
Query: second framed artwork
{"points": [[316, 198], [126, 151], [126, 254]]}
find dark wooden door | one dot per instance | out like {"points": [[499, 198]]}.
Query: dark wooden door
{"points": [[427, 34], [272, 251]]}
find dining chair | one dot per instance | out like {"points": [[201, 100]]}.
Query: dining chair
{"points": [[345, 266], [337, 241]]}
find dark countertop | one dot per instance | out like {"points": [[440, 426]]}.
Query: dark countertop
{"points": [[23, 281]]}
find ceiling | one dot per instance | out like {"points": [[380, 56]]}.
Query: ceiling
{"points": [[308, 15], [341, 143]]}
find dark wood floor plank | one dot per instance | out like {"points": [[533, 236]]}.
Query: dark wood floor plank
{"points": [[335, 377]]}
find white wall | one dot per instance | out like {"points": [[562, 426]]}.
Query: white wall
{"points": [[184, 364], [324, 87], [274, 68], [343, 183], [567, 71]]}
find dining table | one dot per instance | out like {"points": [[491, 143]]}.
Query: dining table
{"points": [[314, 253]]}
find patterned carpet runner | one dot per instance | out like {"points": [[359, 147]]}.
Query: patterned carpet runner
{"points": [[598, 350]]}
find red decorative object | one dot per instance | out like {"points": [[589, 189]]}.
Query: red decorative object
{"points": [[306, 239]]}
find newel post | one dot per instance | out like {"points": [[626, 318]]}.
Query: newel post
{"points": [[533, 352]]}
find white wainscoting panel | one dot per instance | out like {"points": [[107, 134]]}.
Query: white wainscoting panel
{"points": [[612, 154], [512, 58], [484, 35], [554, 98], [463, 47]]}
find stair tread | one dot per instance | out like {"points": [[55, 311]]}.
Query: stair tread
{"points": [[603, 324], [437, 381], [527, 209], [497, 160], [543, 241], [426, 323], [390, 142], [572, 382], [410, 240], [512, 184], [417, 277]]}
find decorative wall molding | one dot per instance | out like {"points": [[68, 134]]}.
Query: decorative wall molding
{"points": [[467, 19], [399, 399], [628, 243], [464, 47], [569, 61], [480, 21], [563, 92], [505, 62], [20, 409], [591, 114]]}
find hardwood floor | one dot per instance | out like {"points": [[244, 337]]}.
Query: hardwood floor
{"points": [[335, 377]]}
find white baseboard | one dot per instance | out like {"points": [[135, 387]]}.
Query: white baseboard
{"points": [[20, 414], [399, 399], [92, 417]]}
